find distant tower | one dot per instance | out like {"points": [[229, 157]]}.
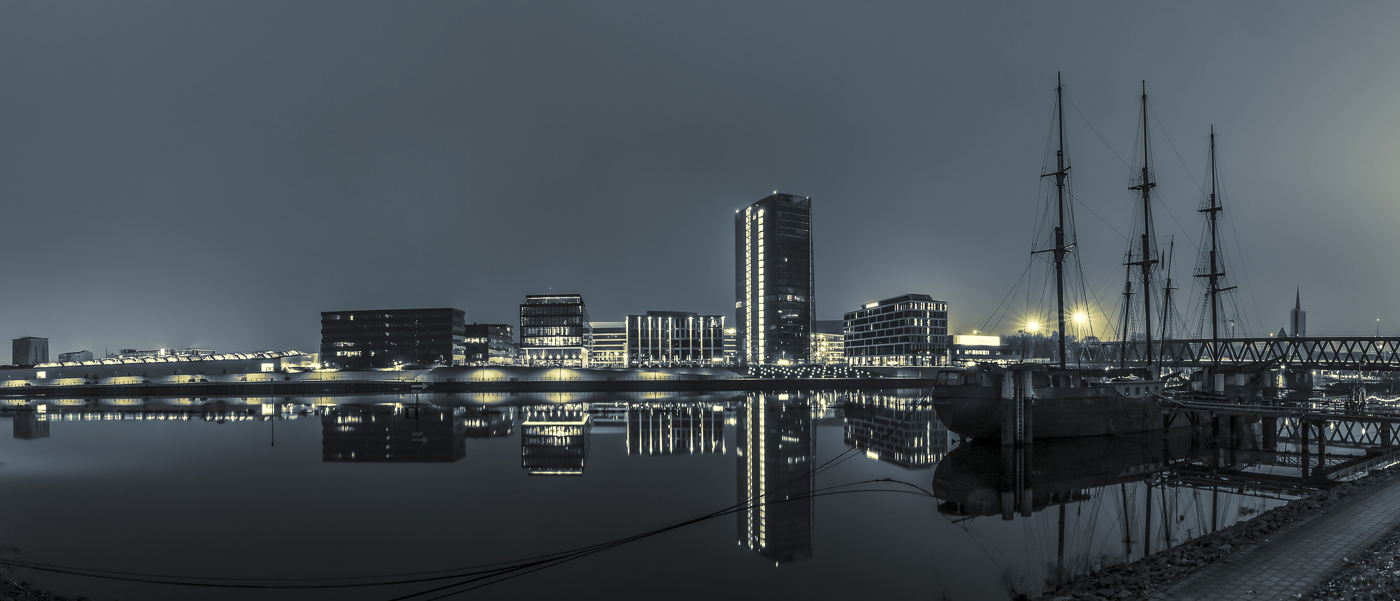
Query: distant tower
{"points": [[29, 351], [774, 297], [1298, 318]]}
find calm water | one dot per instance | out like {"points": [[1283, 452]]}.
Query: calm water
{"points": [[356, 486]]}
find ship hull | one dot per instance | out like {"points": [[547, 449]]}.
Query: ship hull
{"points": [[979, 412]]}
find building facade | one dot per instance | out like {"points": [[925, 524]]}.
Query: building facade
{"points": [[75, 357], [774, 291], [388, 337], [675, 339], [982, 349], [609, 344], [828, 342], [29, 350], [488, 344], [908, 330], [555, 331]]}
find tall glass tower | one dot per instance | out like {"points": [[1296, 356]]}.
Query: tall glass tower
{"points": [[774, 292]]}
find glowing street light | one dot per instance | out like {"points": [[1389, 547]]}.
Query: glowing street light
{"points": [[1033, 326], [1081, 317]]}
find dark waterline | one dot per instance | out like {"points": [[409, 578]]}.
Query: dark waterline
{"points": [[379, 485]]}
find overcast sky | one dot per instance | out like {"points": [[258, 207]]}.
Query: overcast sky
{"points": [[217, 174]]}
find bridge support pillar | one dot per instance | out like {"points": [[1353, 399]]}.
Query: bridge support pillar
{"points": [[1304, 428], [1385, 436], [1215, 431], [1269, 425], [1321, 472]]}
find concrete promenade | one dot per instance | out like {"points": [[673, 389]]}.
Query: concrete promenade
{"points": [[1298, 557]]}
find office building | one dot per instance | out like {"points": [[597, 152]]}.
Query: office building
{"points": [[554, 439], [775, 476], [555, 331], [162, 353], [389, 337], [828, 342], [609, 344], [75, 357], [982, 349], [901, 431], [908, 330], [488, 344], [774, 294], [674, 339], [29, 351], [731, 346]]}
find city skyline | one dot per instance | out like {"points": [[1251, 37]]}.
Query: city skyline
{"points": [[188, 187]]}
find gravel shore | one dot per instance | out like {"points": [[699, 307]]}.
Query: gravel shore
{"points": [[1165, 568]]}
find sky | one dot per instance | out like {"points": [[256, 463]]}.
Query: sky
{"points": [[216, 174]]}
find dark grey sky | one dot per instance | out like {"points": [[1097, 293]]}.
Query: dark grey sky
{"points": [[216, 174]]}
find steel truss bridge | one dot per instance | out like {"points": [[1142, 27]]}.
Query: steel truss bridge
{"points": [[1350, 353]]}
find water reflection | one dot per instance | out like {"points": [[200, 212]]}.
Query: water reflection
{"points": [[392, 434], [774, 453], [28, 426], [674, 429], [895, 429], [554, 439]]}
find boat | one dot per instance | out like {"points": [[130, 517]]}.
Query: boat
{"points": [[1023, 402]]}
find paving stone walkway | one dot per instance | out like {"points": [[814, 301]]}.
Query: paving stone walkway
{"points": [[1299, 556]]}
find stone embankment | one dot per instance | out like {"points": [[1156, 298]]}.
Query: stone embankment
{"points": [[1370, 575], [1155, 572], [23, 591]]}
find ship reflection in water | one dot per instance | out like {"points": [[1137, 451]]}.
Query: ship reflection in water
{"points": [[1026, 516]]}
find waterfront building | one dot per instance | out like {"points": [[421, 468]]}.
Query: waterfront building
{"points": [[1298, 318], [554, 439], [160, 353], [29, 350], [907, 330], [895, 430], [488, 344], [609, 344], [674, 339], [386, 434], [982, 349], [389, 337], [555, 331], [75, 357], [774, 292], [775, 476], [674, 429], [828, 342]]}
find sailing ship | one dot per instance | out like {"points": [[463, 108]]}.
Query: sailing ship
{"points": [[1018, 403]]}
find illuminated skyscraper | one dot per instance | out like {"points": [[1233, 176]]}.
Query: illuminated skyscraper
{"points": [[774, 292], [775, 450]]}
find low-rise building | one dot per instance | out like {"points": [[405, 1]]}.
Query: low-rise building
{"points": [[982, 349], [488, 344], [675, 339], [609, 344], [387, 337], [828, 342], [555, 331], [75, 357], [907, 330]]}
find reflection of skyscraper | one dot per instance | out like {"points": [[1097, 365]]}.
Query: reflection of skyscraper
{"points": [[382, 433], [666, 429], [775, 451], [895, 430], [554, 439], [28, 426]]}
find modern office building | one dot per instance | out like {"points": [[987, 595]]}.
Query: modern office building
{"points": [[29, 351], [908, 330], [75, 357], [982, 349], [901, 431], [386, 434], [555, 331], [674, 429], [554, 439], [774, 292], [828, 342], [488, 344], [389, 337], [609, 344], [775, 476], [675, 339], [731, 346]]}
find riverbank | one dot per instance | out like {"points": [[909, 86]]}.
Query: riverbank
{"points": [[1152, 575], [23, 591], [1369, 575]]}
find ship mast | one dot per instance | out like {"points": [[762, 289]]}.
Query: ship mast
{"points": [[1216, 269], [1060, 172], [1146, 261]]}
